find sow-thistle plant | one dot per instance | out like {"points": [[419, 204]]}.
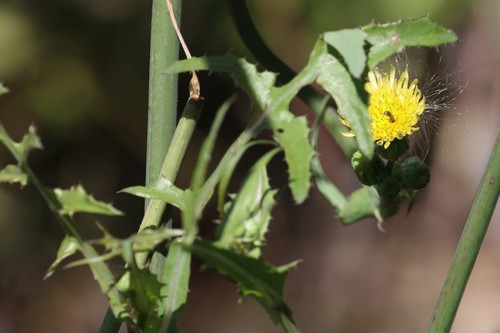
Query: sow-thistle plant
{"points": [[149, 299]]}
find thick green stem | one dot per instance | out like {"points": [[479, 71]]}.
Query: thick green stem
{"points": [[171, 165], [162, 103], [162, 114], [468, 246]]}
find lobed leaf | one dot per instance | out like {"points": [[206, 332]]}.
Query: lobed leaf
{"points": [[76, 200], [361, 204], [350, 44], [246, 221], [229, 169], [254, 277], [13, 174], [68, 247], [21, 149], [337, 81], [292, 133], [390, 38], [162, 189], [149, 239], [174, 293]]}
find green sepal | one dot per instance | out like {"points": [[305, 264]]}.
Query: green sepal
{"points": [[394, 151], [369, 172]]}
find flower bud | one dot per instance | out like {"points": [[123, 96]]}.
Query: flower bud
{"points": [[369, 172], [413, 173], [394, 151], [389, 188]]}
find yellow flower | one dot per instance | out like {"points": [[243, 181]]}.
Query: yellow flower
{"points": [[394, 106]]}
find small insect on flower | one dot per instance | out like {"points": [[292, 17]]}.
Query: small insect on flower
{"points": [[391, 117]]}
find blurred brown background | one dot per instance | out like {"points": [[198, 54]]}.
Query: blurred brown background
{"points": [[78, 69]]}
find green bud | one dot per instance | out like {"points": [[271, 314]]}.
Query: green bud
{"points": [[369, 172], [396, 149], [389, 188], [413, 173]]}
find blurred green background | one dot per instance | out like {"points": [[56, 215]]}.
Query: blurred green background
{"points": [[78, 69]]}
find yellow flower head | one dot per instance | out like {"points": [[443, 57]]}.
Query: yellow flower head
{"points": [[394, 106]]}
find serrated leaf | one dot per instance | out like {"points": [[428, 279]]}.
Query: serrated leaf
{"points": [[350, 44], [246, 221], [21, 149], [148, 239], [175, 275], [254, 277], [68, 247], [361, 204], [229, 169], [292, 133], [390, 38], [13, 174], [141, 292], [162, 189], [337, 81], [76, 200], [246, 76]]}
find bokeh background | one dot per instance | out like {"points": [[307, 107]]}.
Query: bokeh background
{"points": [[78, 69]]}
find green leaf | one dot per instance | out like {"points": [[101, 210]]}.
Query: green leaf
{"points": [[68, 247], [207, 148], [229, 169], [254, 277], [337, 81], [76, 200], [246, 221], [390, 38], [148, 239], [141, 292], [329, 191], [292, 132], [293, 135], [20, 150], [13, 174], [361, 204], [162, 189], [3, 89], [176, 277], [350, 44], [246, 76]]}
